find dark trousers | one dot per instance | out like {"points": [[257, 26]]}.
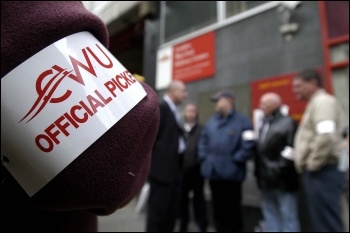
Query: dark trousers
{"points": [[163, 206], [226, 198], [193, 182], [323, 192]]}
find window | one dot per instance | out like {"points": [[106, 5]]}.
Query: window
{"points": [[182, 17], [340, 78], [236, 7], [339, 53], [338, 18], [335, 25]]}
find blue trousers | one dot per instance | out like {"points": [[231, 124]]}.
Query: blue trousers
{"points": [[280, 211], [323, 190]]}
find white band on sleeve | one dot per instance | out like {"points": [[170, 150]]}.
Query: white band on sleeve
{"points": [[59, 102], [248, 135], [326, 126]]}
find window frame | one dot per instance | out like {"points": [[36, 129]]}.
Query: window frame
{"points": [[221, 22]]}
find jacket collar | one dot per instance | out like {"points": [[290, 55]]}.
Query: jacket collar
{"points": [[229, 115], [275, 114]]}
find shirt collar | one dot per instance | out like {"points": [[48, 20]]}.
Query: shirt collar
{"points": [[318, 92], [170, 102], [272, 116]]}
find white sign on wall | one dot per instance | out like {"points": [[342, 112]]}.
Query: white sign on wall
{"points": [[164, 67]]}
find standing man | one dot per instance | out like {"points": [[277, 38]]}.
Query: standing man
{"points": [[226, 143], [318, 145], [165, 173], [276, 174], [192, 180]]}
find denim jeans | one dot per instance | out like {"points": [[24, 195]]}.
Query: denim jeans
{"points": [[280, 211]]}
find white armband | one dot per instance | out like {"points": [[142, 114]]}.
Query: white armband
{"points": [[326, 126], [248, 135], [57, 103]]}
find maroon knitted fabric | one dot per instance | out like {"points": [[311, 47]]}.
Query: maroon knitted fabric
{"points": [[112, 170]]}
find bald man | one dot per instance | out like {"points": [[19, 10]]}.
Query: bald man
{"points": [[165, 172], [276, 174]]}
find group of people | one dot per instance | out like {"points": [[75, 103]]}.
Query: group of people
{"points": [[287, 156]]}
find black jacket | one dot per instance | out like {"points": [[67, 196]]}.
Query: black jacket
{"points": [[190, 157], [166, 162], [273, 170]]}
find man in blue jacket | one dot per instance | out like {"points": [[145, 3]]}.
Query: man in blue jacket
{"points": [[226, 143]]}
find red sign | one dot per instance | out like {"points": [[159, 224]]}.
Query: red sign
{"points": [[282, 85], [194, 59]]}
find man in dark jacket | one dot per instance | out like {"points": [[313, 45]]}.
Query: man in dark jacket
{"points": [[192, 180], [225, 145], [165, 173], [276, 172]]}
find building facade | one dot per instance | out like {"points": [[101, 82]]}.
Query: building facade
{"points": [[250, 47]]}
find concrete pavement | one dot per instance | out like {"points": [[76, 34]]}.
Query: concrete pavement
{"points": [[128, 219], [123, 220]]}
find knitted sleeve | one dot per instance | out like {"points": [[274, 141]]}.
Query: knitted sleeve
{"points": [[109, 173]]}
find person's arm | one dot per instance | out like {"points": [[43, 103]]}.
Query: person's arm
{"points": [[203, 144], [324, 116], [246, 150], [285, 163], [112, 170]]}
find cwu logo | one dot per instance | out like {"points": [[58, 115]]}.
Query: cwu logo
{"points": [[48, 81]]}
